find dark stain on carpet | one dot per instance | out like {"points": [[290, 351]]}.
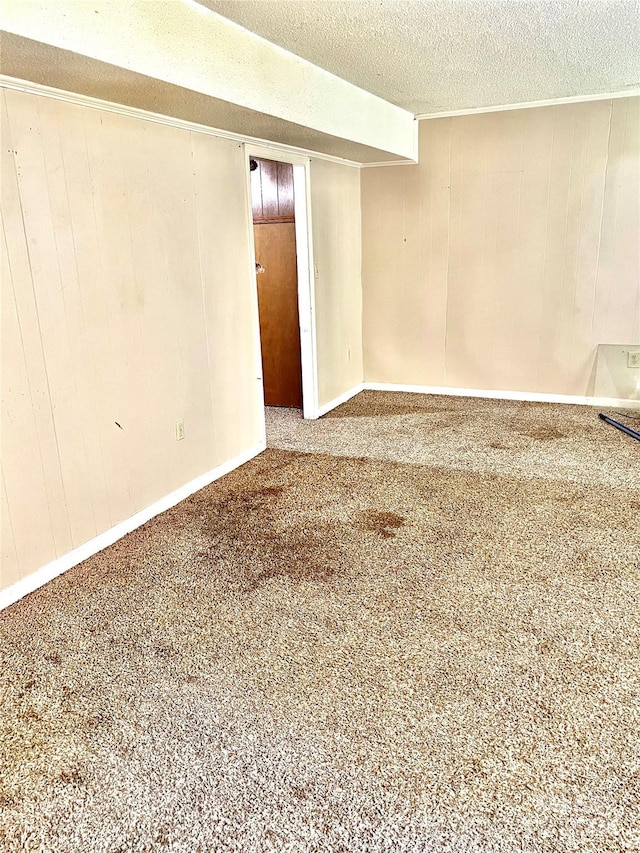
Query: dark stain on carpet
{"points": [[545, 433], [383, 523]]}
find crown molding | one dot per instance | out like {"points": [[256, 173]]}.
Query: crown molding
{"points": [[527, 105], [27, 86], [389, 163]]}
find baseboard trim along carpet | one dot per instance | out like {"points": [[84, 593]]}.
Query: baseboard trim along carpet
{"points": [[60, 565], [338, 401], [526, 396]]}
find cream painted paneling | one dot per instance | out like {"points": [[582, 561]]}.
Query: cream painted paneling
{"points": [[127, 303], [618, 261], [508, 254], [336, 224]]}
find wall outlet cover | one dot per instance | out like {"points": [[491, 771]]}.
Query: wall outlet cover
{"points": [[633, 358]]}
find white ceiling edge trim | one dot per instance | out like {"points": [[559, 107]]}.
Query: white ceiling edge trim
{"points": [[385, 163], [30, 88], [527, 105]]}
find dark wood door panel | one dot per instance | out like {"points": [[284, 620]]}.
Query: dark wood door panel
{"points": [[272, 191], [278, 309]]}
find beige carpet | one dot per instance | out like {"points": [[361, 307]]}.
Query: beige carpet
{"points": [[423, 636]]}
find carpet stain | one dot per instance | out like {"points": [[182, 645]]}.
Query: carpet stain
{"points": [[383, 523], [71, 776], [277, 545], [545, 433], [268, 492], [305, 560]]}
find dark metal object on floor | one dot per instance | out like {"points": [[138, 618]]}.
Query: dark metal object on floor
{"points": [[619, 426]]}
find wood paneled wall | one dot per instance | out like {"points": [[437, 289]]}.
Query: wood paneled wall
{"points": [[509, 253], [128, 302], [335, 203], [272, 191]]}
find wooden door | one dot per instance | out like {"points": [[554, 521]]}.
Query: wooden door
{"points": [[275, 242]]}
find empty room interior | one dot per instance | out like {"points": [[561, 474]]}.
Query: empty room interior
{"points": [[320, 508]]}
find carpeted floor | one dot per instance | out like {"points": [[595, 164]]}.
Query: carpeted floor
{"points": [[411, 626]]}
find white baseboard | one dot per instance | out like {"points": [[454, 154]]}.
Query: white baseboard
{"points": [[338, 401], [57, 567], [528, 396]]}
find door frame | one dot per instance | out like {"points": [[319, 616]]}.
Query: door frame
{"points": [[305, 267]]}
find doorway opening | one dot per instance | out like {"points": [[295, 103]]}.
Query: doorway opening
{"points": [[284, 285], [274, 235]]}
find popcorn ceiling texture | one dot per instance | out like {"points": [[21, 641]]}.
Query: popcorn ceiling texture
{"points": [[387, 651], [436, 56]]}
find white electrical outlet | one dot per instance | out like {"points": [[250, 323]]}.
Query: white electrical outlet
{"points": [[633, 358], [179, 430]]}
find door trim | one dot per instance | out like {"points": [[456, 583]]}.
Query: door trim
{"points": [[305, 267]]}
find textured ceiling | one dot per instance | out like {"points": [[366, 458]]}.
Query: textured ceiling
{"points": [[437, 56]]}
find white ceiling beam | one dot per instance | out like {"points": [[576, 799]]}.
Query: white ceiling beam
{"points": [[183, 43]]}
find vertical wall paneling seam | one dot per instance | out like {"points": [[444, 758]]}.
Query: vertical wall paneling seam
{"points": [[517, 254], [54, 421], [580, 237], [420, 241], [87, 249], [63, 288], [207, 332], [566, 224], [118, 338], [100, 252], [615, 221], [138, 286], [636, 320], [30, 389], [483, 262], [82, 311], [637, 314], [405, 249], [446, 273], [545, 253], [41, 346], [360, 329], [5, 508], [75, 357], [600, 223]]}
